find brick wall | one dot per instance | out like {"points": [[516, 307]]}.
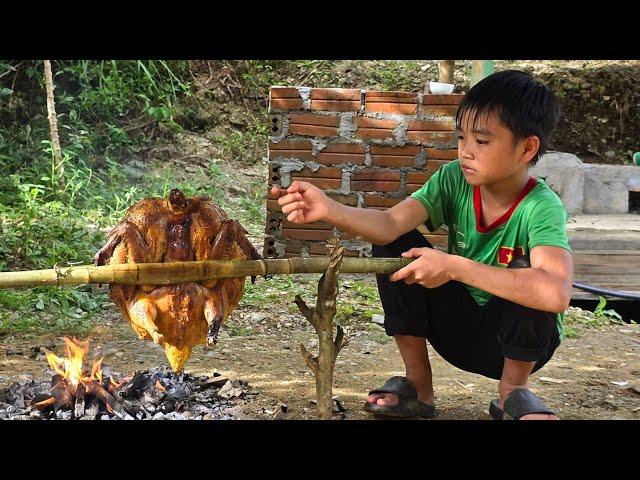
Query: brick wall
{"points": [[365, 149]]}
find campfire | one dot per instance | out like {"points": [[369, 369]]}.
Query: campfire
{"points": [[72, 388], [159, 393]]}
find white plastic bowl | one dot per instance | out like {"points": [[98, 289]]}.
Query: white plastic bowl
{"points": [[438, 88]]}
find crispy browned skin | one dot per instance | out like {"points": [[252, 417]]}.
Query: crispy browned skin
{"points": [[179, 316]]}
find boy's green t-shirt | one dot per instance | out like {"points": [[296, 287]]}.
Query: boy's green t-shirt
{"points": [[538, 217]]}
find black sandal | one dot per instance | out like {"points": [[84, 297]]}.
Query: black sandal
{"points": [[519, 403], [408, 403]]}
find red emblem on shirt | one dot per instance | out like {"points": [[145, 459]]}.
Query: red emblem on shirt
{"points": [[506, 254]]}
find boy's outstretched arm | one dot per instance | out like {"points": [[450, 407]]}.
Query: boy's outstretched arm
{"points": [[545, 286], [303, 202]]}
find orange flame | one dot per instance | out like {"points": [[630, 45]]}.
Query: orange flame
{"points": [[70, 368]]}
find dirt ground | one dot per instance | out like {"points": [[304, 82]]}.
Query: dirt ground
{"points": [[595, 376]]}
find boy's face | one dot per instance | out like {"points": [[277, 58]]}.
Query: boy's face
{"points": [[488, 152]]}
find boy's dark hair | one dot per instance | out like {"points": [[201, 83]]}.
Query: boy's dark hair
{"points": [[524, 105]]}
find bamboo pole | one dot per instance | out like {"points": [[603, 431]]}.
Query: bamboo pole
{"points": [[194, 271]]}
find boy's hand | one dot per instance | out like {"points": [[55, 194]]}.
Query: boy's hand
{"points": [[302, 202], [429, 270]]}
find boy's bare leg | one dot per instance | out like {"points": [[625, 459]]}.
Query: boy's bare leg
{"points": [[418, 369], [515, 374]]}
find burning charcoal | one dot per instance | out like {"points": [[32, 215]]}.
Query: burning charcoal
{"points": [[105, 417], [91, 410], [39, 397], [63, 415], [78, 411], [131, 407], [46, 404], [60, 391], [180, 392], [105, 397], [35, 414], [134, 388], [168, 406], [158, 416]]}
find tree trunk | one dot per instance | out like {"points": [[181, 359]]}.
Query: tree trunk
{"points": [[445, 69], [321, 317], [53, 125]]}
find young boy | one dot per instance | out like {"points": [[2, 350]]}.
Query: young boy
{"points": [[492, 305]]}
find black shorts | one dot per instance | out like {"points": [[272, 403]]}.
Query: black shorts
{"points": [[469, 336]]}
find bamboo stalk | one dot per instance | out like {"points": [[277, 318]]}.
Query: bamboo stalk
{"points": [[179, 272]]}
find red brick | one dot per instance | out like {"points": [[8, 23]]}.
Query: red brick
{"points": [[323, 183], [313, 130], [273, 223], [378, 201], [300, 154], [418, 177], [395, 97], [374, 133], [412, 187], [440, 110], [386, 107], [339, 158], [434, 153], [335, 105], [429, 137], [307, 234], [322, 172], [376, 175], [373, 186], [366, 122], [291, 145], [284, 92], [335, 94], [350, 200], [311, 119], [273, 206], [338, 153], [313, 226], [452, 99], [392, 161], [274, 179], [409, 150], [285, 104], [320, 249], [292, 247], [431, 125], [433, 165], [269, 249], [343, 148]]}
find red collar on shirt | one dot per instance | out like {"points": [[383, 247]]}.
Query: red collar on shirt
{"points": [[477, 206]]}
